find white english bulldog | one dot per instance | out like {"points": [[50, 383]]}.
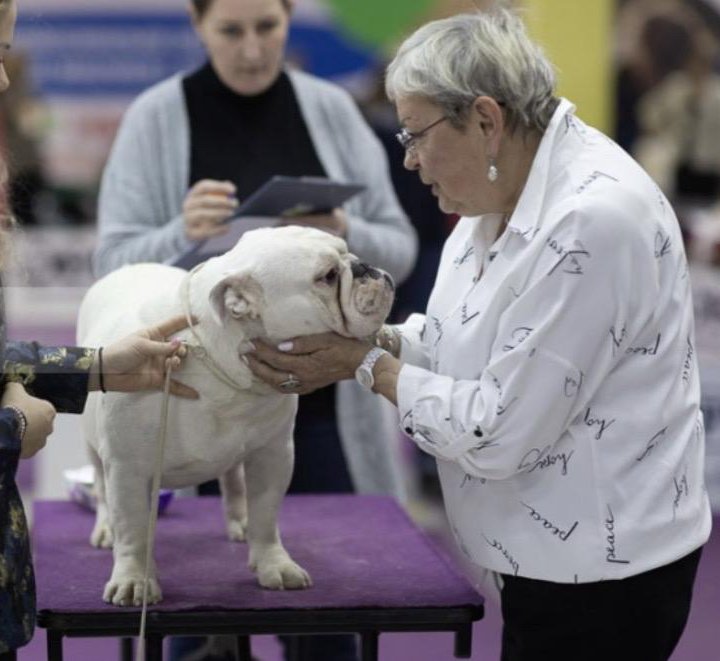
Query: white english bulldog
{"points": [[275, 284]]}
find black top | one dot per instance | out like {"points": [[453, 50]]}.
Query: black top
{"points": [[246, 139]]}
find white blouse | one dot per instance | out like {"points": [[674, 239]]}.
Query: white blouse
{"points": [[554, 374]]}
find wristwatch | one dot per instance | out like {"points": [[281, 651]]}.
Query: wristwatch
{"points": [[364, 372]]}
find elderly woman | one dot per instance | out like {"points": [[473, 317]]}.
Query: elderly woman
{"points": [[553, 375]]}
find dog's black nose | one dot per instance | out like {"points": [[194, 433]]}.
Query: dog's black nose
{"points": [[361, 269]]}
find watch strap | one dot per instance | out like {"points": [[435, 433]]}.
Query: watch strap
{"points": [[364, 372]]}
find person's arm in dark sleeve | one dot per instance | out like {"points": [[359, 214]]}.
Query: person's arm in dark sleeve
{"points": [[17, 594], [57, 374], [9, 446]]}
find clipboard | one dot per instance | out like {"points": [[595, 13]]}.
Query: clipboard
{"points": [[279, 197], [297, 196]]}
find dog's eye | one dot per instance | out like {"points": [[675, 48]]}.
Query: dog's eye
{"points": [[330, 277]]}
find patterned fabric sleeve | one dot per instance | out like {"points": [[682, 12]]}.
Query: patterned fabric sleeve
{"points": [[57, 374], [17, 581]]}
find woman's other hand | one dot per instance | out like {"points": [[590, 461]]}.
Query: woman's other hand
{"points": [[313, 361], [140, 360], [38, 413], [207, 205]]}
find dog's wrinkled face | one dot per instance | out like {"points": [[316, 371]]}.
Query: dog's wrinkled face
{"points": [[292, 281]]}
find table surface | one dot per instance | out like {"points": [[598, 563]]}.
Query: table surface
{"points": [[363, 552]]}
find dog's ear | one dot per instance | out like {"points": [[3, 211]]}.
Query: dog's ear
{"points": [[238, 294]]}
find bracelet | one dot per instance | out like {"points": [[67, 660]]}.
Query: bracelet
{"points": [[101, 379], [22, 420], [389, 338]]}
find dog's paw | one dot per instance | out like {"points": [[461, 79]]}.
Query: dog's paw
{"points": [[101, 536], [285, 575], [236, 530], [129, 592]]}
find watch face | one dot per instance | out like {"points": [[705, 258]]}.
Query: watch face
{"points": [[364, 377]]}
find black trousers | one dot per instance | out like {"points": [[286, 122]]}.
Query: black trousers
{"points": [[640, 618]]}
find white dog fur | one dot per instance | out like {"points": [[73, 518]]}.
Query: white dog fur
{"points": [[275, 284]]}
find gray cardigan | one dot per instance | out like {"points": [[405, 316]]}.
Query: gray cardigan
{"points": [[140, 220]]}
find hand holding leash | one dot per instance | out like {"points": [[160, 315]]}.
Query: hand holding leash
{"points": [[141, 360]]}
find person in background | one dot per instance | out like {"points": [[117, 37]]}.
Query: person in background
{"points": [[679, 121], [553, 375], [190, 147], [650, 43], [22, 116]]}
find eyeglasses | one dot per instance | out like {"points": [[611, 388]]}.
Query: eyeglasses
{"points": [[408, 139]]}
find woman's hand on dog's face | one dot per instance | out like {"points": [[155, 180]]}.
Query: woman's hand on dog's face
{"points": [[314, 360]]}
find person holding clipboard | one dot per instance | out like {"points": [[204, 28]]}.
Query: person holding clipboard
{"points": [[194, 147], [277, 202]]}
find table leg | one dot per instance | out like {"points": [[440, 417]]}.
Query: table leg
{"points": [[292, 648], [154, 648], [243, 648], [54, 645], [126, 649], [463, 642], [369, 645]]}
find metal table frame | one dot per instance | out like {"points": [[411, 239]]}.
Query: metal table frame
{"points": [[369, 623]]}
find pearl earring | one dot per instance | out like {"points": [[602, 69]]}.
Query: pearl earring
{"points": [[492, 174]]}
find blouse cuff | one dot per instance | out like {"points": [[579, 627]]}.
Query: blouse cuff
{"points": [[424, 401], [413, 349]]}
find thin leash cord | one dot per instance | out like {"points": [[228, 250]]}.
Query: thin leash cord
{"points": [[152, 519]]}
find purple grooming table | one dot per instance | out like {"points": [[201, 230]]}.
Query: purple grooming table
{"points": [[373, 570]]}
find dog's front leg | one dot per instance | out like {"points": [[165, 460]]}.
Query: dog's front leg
{"points": [[128, 494], [232, 487], [268, 471]]}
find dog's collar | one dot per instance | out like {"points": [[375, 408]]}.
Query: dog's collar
{"points": [[197, 349]]}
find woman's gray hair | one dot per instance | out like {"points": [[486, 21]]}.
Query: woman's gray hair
{"points": [[454, 60]]}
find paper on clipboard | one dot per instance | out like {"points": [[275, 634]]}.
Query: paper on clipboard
{"points": [[279, 197]]}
